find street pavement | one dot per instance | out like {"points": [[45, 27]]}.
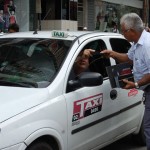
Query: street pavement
{"points": [[125, 144]]}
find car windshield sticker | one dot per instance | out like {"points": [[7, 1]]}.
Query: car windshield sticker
{"points": [[132, 92], [86, 107]]}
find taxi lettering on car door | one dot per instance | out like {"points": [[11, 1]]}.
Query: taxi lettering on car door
{"points": [[86, 107]]}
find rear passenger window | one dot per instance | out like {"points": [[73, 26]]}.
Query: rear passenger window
{"points": [[97, 62], [120, 45]]}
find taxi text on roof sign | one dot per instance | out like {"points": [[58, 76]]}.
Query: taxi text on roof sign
{"points": [[59, 34]]}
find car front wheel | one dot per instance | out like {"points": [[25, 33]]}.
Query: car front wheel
{"points": [[40, 146]]}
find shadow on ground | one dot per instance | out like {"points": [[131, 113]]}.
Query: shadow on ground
{"points": [[126, 143]]}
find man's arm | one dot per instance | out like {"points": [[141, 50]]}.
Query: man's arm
{"points": [[120, 57], [145, 80], [88, 52]]}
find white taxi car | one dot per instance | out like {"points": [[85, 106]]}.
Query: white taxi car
{"points": [[40, 109]]}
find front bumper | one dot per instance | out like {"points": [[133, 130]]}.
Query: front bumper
{"points": [[20, 146]]}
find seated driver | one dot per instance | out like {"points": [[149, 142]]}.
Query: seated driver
{"points": [[82, 62]]}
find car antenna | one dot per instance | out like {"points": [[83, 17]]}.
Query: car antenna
{"points": [[35, 32]]}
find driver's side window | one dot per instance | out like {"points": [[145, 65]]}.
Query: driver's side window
{"points": [[98, 63], [88, 61], [95, 63]]}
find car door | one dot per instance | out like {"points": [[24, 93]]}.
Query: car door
{"points": [[92, 111], [130, 100]]}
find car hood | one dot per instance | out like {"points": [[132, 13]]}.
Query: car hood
{"points": [[15, 100]]}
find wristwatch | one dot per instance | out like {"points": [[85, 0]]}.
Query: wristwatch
{"points": [[136, 85]]}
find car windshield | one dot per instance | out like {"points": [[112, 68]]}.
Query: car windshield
{"points": [[31, 62]]}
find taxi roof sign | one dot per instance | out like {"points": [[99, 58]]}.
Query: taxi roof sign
{"points": [[59, 34]]}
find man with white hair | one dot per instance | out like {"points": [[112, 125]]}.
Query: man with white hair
{"points": [[139, 55]]}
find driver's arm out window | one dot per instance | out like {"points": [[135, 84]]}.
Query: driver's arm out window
{"points": [[97, 62]]}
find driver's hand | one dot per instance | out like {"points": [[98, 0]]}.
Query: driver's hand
{"points": [[88, 52]]}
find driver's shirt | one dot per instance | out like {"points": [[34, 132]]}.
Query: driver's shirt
{"points": [[139, 53]]}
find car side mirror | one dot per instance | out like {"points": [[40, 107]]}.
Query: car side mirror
{"points": [[85, 79]]}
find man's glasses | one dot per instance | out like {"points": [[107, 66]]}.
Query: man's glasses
{"points": [[124, 31]]}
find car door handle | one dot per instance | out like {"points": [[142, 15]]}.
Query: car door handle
{"points": [[113, 94]]}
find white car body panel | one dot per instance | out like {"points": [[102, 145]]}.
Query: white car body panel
{"points": [[27, 114]]}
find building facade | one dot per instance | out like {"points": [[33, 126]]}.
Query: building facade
{"points": [[146, 12], [16, 11], [107, 13], [74, 15]]}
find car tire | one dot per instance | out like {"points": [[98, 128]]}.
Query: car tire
{"points": [[40, 146], [140, 137]]}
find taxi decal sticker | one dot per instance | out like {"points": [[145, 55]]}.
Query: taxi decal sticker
{"points": [[86, 107], [132, 92]]}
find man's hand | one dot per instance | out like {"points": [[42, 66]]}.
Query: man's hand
{"points": [[120, 57], [129, 84], [108, 53]]}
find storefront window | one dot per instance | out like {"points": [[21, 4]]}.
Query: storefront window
{"points": [[7, 14], [69, 9], [65, 9], [32, 16], [49, 9], [73, 10], [80, 15], [108, 15]]}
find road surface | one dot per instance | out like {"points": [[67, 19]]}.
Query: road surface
{"points": [[125, 144]]}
